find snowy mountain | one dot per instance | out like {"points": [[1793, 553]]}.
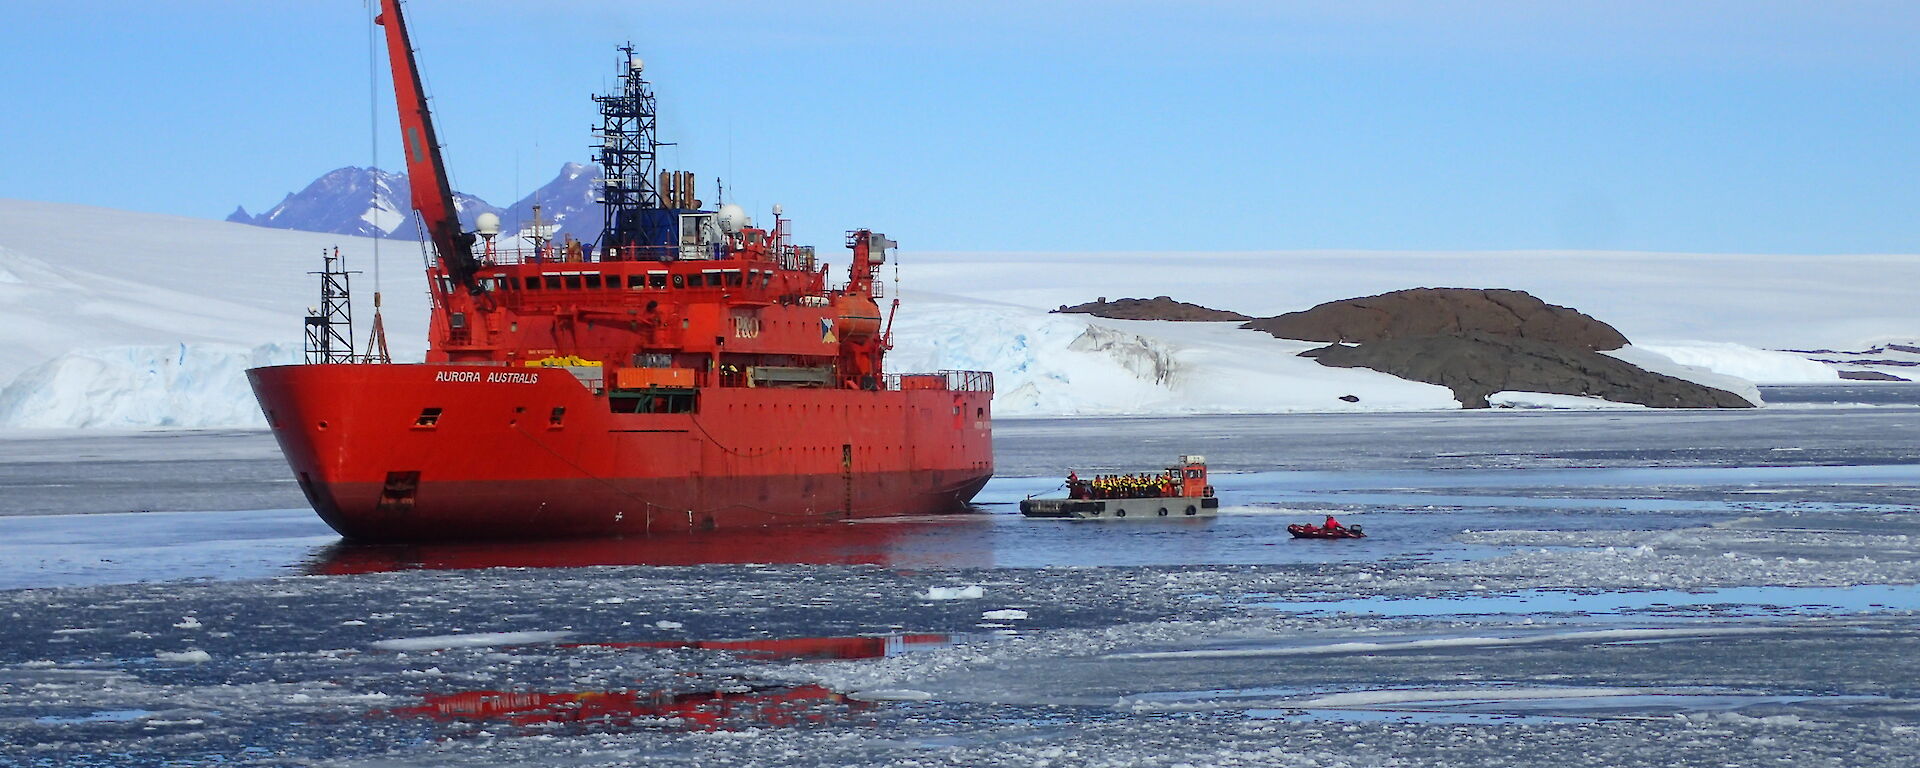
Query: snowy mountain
{"points": [[127, 320], [570, 202], [370, 202]]}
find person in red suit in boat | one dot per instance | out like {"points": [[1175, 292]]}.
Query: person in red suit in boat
{"points": [[1331, 529]]}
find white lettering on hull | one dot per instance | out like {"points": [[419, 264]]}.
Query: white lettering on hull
{"points": [[493, 377]]}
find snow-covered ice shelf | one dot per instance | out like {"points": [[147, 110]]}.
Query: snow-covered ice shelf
{"points": [[120, 320]]}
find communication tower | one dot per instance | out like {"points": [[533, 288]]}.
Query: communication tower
{"points": [[629, 145], [330, 327]]}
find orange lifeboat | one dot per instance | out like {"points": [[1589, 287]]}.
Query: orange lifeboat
{"points": [[856, 317]]}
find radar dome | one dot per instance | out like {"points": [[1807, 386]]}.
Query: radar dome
{"points": [[487, 224], [732, 218]]}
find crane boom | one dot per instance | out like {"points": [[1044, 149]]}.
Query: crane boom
{"points": [[426, 172]]}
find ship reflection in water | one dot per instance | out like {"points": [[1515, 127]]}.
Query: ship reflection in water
{"points": [[727, 709], [861, 647], [947, 541], [724, 708]]}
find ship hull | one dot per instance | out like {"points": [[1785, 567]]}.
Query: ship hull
{"points": [[428, 452]]}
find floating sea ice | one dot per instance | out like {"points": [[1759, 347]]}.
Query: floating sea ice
{"points": [[477, 640], [664, 624], [189, 623], [195, 656], [891, 694], [1004, 615], [969, 592]]}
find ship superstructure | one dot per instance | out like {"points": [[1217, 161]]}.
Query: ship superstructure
{"points": [[690, 370]]}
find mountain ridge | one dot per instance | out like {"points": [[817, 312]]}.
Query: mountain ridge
{"points": [[370, 202]]}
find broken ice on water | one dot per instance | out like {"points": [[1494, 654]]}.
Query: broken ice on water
{"points": [[1507, 611]]}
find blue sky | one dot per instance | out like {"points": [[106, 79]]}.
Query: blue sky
{"points": [[1375, 124]]}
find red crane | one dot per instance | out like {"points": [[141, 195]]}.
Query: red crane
{"points": [[427, 179]]}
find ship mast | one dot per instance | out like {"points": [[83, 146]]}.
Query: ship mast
{"points": [[628, 157]]}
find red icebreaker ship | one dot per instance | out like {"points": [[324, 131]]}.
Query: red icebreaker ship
{"points": [[686, 372]]}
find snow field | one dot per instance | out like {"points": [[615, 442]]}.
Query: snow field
{"points": [[1739, 361], [1545, 400], [119, 319], [127, 320], [1832, 301]]}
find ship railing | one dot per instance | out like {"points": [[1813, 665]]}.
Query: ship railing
{"points": [[789, 258], [503, 257], [969, 381], [875, 289], [517, 255], [951, 381]]}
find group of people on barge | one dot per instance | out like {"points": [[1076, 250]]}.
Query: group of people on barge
{"points": [[1141, 486]]}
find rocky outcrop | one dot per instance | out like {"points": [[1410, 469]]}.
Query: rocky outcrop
{"points": [[1426, 312], [1477, 364], [1156, 308], [1473, 341], [1870, 376]]}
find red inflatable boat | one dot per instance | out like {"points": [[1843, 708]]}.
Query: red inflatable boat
{"points": [[1317, 532]]}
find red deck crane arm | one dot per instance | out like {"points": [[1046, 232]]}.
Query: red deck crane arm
{"points": [[426, 172]]}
